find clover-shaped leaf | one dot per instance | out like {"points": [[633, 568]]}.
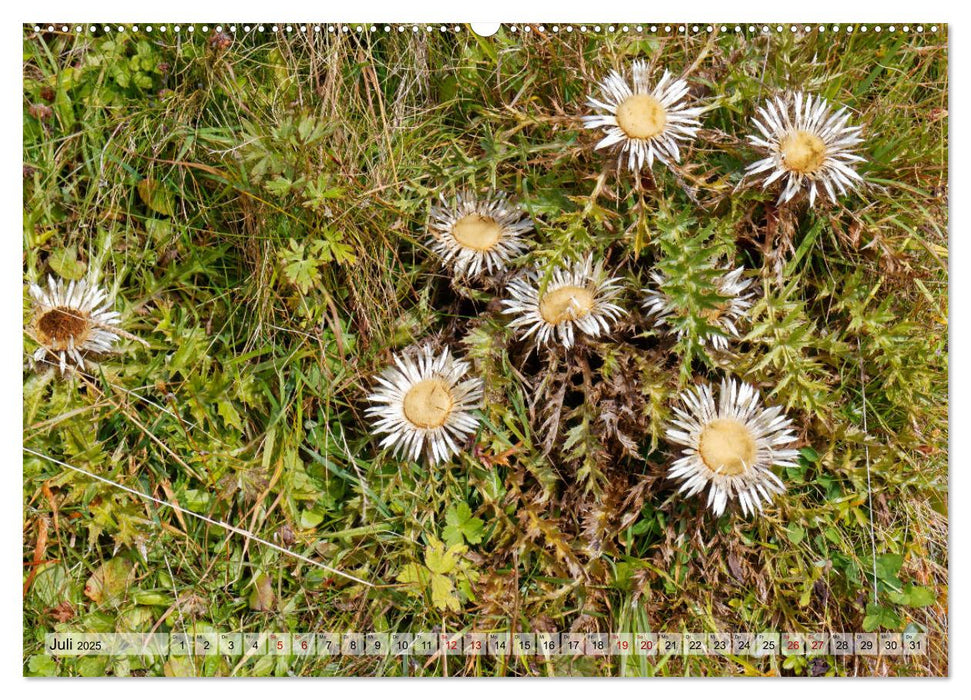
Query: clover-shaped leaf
{"points": [[461, 525]]}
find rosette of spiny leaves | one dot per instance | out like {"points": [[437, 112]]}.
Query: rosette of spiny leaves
{"points": [[903, 355], [792, 352], [690, 268]]}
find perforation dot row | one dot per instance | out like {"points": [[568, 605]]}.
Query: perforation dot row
{"points": [[526, 28]]}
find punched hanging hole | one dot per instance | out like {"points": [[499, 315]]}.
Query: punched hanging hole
{"points": [[485, 28]]}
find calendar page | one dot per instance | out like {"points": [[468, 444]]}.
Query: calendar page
{"points": [[471, 350]]}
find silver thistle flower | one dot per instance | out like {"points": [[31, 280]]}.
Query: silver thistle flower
{"points": [[577, 299], [473, 235], [72, 319], [647, 122], [730, 447], [425, 404], [810, 147]]}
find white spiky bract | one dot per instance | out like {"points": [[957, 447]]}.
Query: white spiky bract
{"points": [[455, 420], [680, 122], [739, 408], [585, 303], [809, 145], [732, 286], [71, 319], [510, 225]]}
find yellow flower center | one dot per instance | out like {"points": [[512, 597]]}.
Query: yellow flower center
{"points": [[727, 447], [477, 232], [565, 304], [428, 403], [641, 117], [803, 152], [59, 326]]}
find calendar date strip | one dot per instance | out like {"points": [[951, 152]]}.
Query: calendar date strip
{"points": [[540, 644]]}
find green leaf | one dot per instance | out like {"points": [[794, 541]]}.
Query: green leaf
{"points": [[919, 596], [121, 77], [888, 565], [157, 196], [64, 262], [51, 585], [137, 619], [196, 499], [229, 414], [796, 533], [264, 665], [878, 616], [262, 596], [452, 534], [298, 483], [64, 107], [182, 667], [461, 525], [442, 561], [41, 665], [310, 519], [279, 186], [809, 454], [413, 573], [159, 229], [913, 596], [93, 666], [142, 81], [301, 271], [443, 596], [110, 581], [152, 598]]}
